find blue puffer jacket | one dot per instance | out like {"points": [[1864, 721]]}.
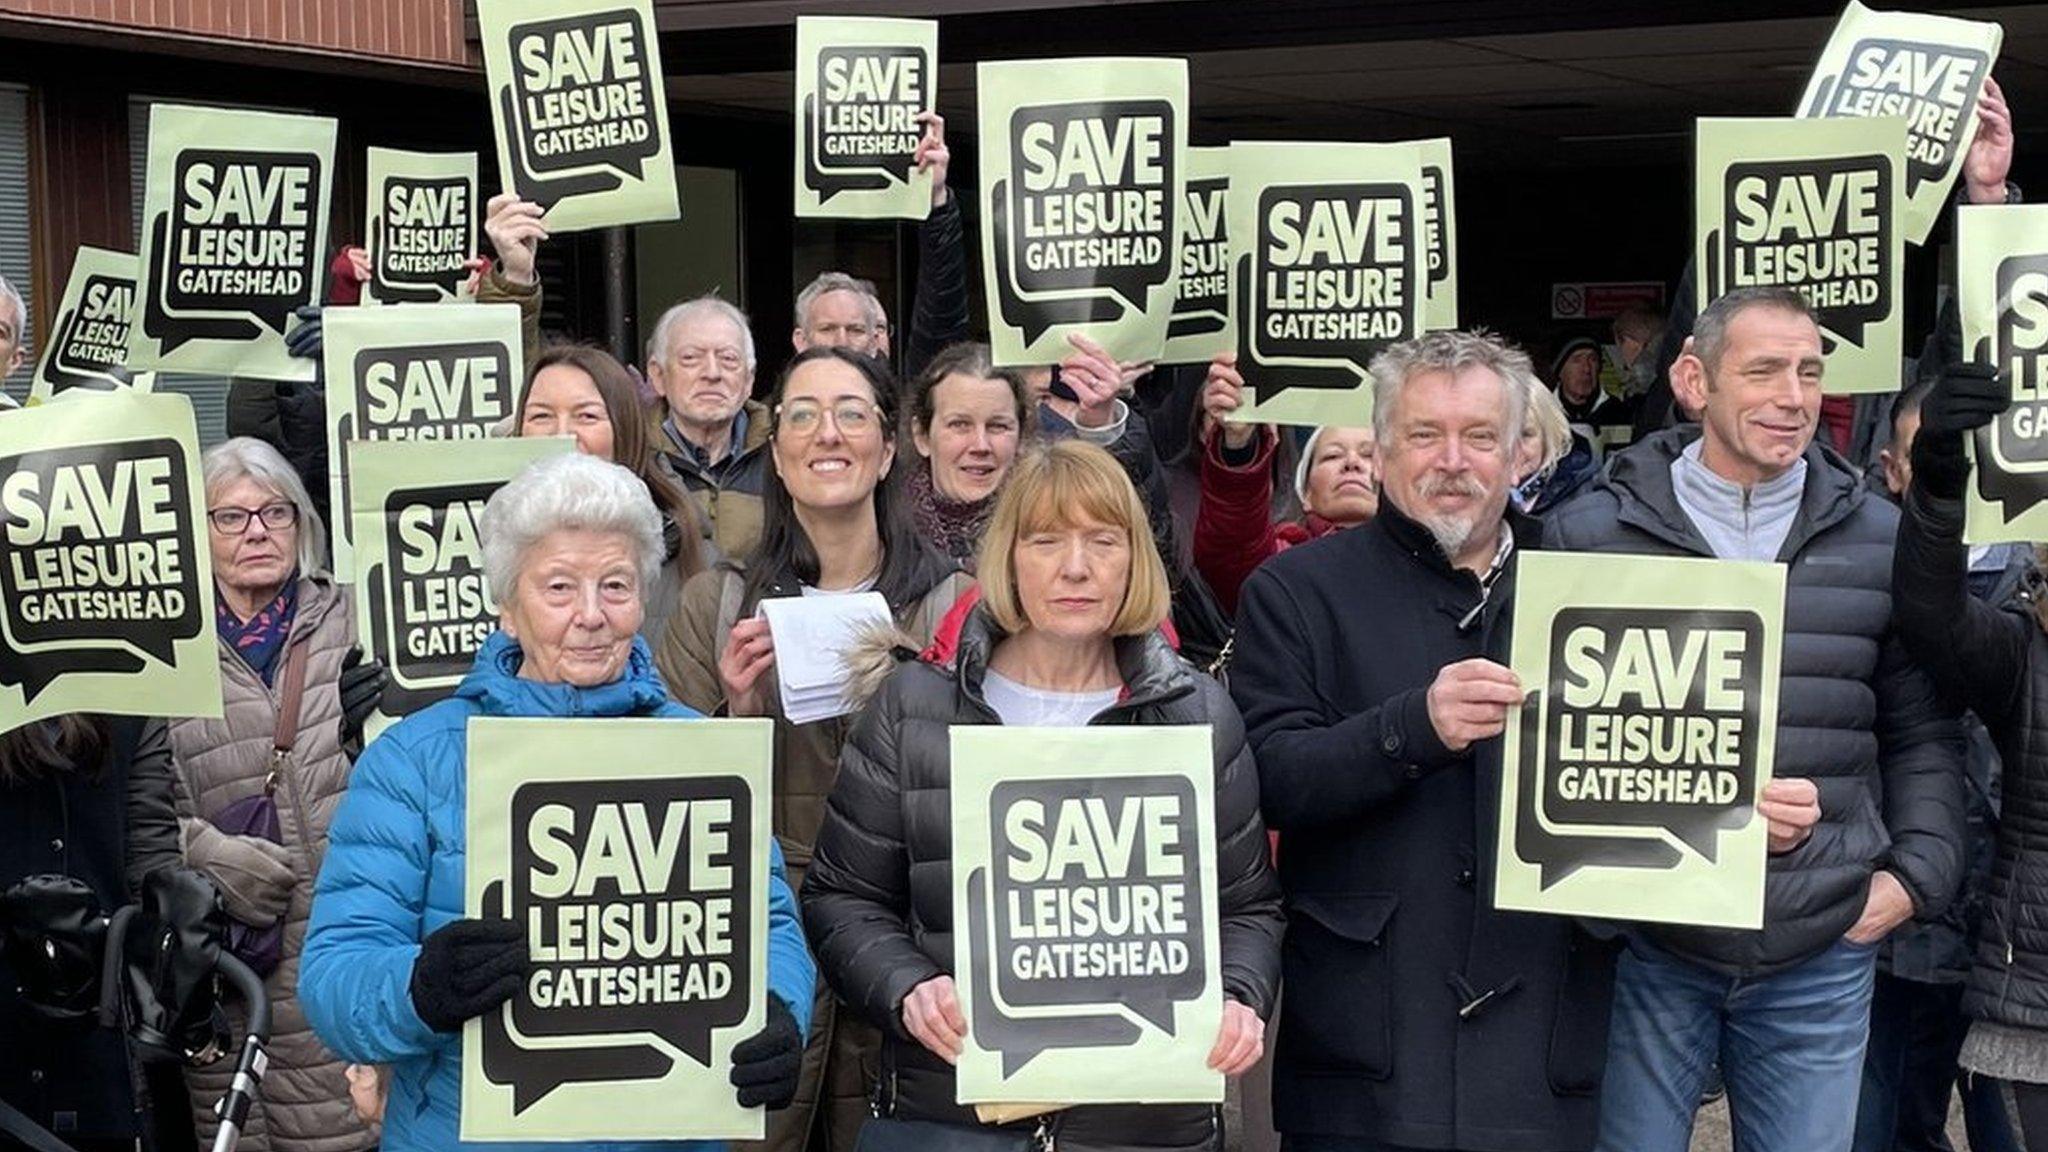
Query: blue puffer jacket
{"points": [[394, 874]]}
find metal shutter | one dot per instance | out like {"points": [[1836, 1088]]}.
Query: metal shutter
{"points": [[15, 218]]}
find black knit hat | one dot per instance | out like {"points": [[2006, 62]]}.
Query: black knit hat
{"points": [[1570, 346]]}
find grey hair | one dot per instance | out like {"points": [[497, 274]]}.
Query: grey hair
{"points": [[247, 458], [1546, 417], [1710, 330], [571, 491], [1452, 352], [11, 296], [709, 304], [839, 282]]}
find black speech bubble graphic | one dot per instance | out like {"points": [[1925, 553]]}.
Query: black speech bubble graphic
{"points": [[1332, 277], [1103, 227], [90, 346], [1558, 856], [582, 105], [1658, 727], [643, 887], [236, 251], [430, 605], [1203, 303], [1436, 235], [1804, 209], [1088, 868], [100, 563], [1933, 87], [2012, 452], [1021, 1038], [535, 1072], [864, 141], [420, 261]]}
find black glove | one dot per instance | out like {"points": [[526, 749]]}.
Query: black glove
{"points": [[362, 687], [307, 339], [1967, 397], [765, 1066], [466, 969]]}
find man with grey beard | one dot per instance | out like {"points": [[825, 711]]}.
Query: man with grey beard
{"points": [[1369, 667]]}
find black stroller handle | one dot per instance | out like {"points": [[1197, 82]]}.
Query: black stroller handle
{"points": [[249, 987], [112, 1014], [233, 1108]]}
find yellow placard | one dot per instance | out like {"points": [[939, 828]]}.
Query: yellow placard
{"points": [[1811, 205], [1632, 767], [106, 579], [1085, 916], [635, 852]]}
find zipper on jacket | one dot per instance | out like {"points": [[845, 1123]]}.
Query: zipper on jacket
{"points": [[2004, 925]]}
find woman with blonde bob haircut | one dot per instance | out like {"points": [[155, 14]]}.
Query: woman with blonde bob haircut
{"points": [[1066, 634], [1060, 488]]}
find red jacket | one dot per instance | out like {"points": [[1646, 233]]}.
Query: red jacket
{"points": [[1234, 529]]}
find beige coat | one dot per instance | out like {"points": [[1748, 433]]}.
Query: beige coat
{"points": [[839, 1061], [305, 1104], [806, 755]]}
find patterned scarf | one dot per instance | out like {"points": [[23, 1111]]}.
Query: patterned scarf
{"points": [[259, 639], [953, 527]]}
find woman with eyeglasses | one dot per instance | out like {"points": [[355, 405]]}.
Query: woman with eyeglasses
{"points": [[832, 522], [257, 787]]}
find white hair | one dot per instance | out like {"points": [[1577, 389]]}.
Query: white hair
{"points": [[13, 298], [571, 491], [247, 458], [1453, 352], [658, 345], [839, 282]]}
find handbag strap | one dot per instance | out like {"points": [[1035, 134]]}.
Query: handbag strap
{"points": [[288, 704]]}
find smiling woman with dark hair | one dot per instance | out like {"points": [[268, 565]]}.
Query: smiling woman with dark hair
{"points": [[968, 418], [832, 523], [576, 390]]}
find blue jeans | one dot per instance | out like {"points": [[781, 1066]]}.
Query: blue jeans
{"points": [[1790, 1047]]}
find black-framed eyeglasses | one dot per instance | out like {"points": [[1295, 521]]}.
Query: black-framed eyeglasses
{"points": [[235, 521]]}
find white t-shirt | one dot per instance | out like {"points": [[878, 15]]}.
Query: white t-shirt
{"points": [[857, 589], [1022, 706]]}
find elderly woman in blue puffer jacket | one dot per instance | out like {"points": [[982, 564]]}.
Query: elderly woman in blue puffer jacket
{"points": [[391, 968]]}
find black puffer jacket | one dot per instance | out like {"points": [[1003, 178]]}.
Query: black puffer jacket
{"points": [[878, 902], [1855, 714], [938, 313], [107, 825], [1995, 662]]}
